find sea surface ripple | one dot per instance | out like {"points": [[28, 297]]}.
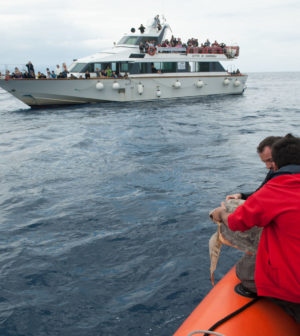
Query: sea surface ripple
{"points": [[104, 208]]}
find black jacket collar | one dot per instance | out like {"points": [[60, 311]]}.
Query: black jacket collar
{"points": [[286, 170]]}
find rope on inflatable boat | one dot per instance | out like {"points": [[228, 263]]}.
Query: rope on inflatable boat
{"points": [[226, 318], [204, 331]]}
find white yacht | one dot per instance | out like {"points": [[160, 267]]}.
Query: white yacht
{"points": [[142, 66]]}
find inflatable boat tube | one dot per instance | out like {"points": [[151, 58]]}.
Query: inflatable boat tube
{"points": [[260, 316]]}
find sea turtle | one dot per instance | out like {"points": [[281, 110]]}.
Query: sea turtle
{"points": [[245, 241]]}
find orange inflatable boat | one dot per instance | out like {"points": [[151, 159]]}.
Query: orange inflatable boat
{"points": [[225, 312]]}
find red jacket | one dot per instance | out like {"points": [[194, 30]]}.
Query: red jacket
{"points": [[276, 207]]}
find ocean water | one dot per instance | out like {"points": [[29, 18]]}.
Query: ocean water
{"points": [[104, 208]]}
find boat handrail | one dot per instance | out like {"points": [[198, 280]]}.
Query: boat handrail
{"points": [[205, 332], [171, 49], [228, 51]]}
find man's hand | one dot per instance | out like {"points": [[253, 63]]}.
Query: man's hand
{"points": [[233, 196]]}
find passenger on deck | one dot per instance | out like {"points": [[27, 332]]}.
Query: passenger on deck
{"points": [[18, 73], [153, 69], [142, 28], [26, 74], [48, 73], [7, 74], [31, 74], [65, 71], [179, 43], [30, 68], [146, 45], [57, 70], [207, 43], [142, 47], [87, 74], [98, 73], [64, 66], [40, 75], [53, 74], [108, 71], [156, 21], [165, 43]]}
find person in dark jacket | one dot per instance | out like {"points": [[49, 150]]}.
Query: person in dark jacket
{"points": [[142, 28], [264, 152], [141, 47], [30, 68]]}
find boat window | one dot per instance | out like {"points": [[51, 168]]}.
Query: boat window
{"points": [[132, 40], [209, 67], [147, 38], [202, 67], [97, 65], [124, 67], [78, 67], [136, 55], [89, 67], [134, 68], [162, 66], [183, 67], [103, 66], [123, 39], [217, 66], [168, 67], [157, 65], [145, 67], [136, 40]]}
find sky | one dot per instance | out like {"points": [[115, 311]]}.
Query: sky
{"points": [[56, 31]]}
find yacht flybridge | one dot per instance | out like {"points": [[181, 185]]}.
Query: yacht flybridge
{"points": [[144, 65]]}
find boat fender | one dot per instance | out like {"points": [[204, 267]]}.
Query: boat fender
{"points": [[158, 93], [237, 83], [199, 84], [177, 85], [226, 81], [151, 51], [99, 86], [140, 88], [116, 86]]}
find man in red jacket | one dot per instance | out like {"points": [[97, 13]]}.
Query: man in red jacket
{"points": [[276, 208]]}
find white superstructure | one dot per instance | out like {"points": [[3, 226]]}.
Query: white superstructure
{"points": [[139, 75]]}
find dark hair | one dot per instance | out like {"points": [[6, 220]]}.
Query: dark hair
{"points": [[286, 151], [267, 142]]}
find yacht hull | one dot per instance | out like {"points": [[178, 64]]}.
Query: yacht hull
{"points": [[53, 92]]}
